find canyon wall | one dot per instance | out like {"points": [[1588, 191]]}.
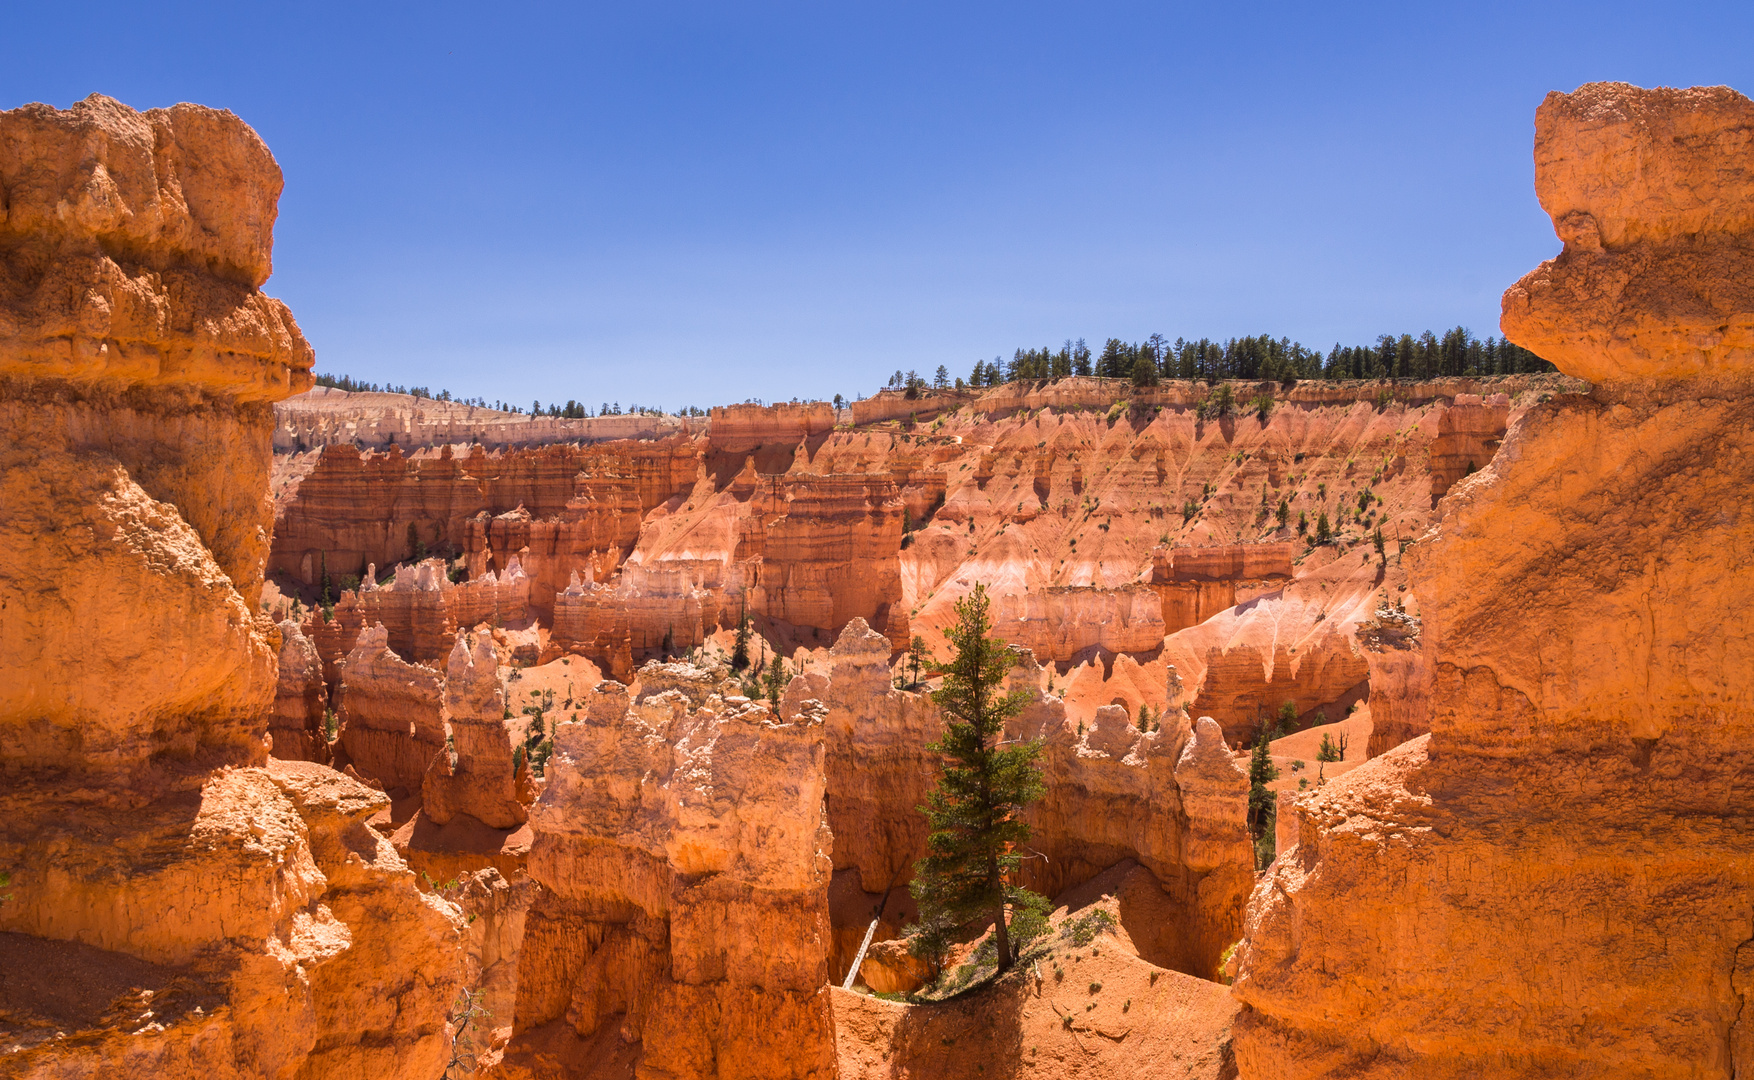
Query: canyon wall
{"points": [[248, 921], [1555, 881], [301, 700], [324, 415], [1105, 520], [473, 775]]}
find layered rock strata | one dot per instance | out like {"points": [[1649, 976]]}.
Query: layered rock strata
{"points": [[1193, 840], [1245, 685], [324, 415], [1098, 777], [1573, 814], [683, 855], [273, 934], [1468, 434]]}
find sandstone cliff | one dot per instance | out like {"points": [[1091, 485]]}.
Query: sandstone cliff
{"points": [[271, 932], [1571, 816]]}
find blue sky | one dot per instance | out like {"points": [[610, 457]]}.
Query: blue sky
{"points": [[693, 204]]}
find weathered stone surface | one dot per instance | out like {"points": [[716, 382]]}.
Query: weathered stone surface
{"points": [[1061, 622], [684, 859], [1242, 686], [300, 700], [391, 715], [156, 230], [474, 774], [1650, 192], [1572, 815], [271, 932], [377, 421], [1468, 434], [879, 770]]}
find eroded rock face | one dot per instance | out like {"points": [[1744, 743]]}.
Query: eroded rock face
{"points": [[1242, 685], [1572, 816], [392, 723], [474, 774], [138, 358], [1168, 798], [1652, 192], [300, 700], [684, 857], [879, 770]]}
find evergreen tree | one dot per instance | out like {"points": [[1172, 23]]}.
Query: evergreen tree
{"points": [[775, 681], [918, 657], [971, 858], [740, 650], [1324, 531], [1262, 772]]}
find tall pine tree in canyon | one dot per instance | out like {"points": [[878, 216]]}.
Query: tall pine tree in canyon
{"points": [[971, 855]]}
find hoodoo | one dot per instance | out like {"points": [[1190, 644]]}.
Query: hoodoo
{"points": [[179, 905], [1555, 881]]}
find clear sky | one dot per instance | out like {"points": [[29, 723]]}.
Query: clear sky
{"points": [[675, 204]]}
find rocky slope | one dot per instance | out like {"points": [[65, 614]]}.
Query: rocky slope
{"points": [[250, 922], [1553, 882]]}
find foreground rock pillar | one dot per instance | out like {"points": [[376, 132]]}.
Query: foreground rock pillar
{"points": [[248, 921], [1556, 881]]}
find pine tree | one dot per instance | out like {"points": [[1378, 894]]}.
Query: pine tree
{"points": [[1324, 531], [918, 657], [971, 858], [775, 681], [1262, 772], [740, 650]]}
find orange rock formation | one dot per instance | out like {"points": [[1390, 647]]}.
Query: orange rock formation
{"points": [[1553, 881], [301, 700], [391, 714], [683, 854], [272, 934], [473, 775]]}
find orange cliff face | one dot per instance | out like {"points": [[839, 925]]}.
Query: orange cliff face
{"points": [[1553, 882], [145, 839]]}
